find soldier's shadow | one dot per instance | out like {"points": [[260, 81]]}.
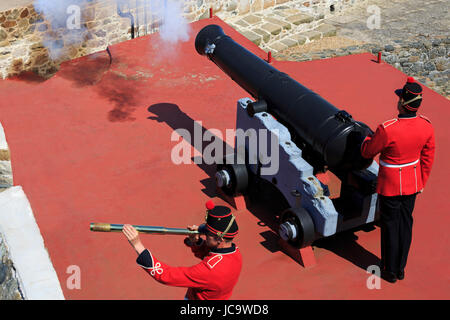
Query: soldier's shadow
{"points": [[264, 201]]}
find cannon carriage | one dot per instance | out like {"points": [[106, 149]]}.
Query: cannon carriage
{"points": [[311, 136]]}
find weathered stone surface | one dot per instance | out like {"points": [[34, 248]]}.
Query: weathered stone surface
{"points": [[284, 24], [205, 15], [5, 167], [3, 35], [301, 39], [9, 284], [289, 42], [311, 35], [268, 3], [257, 5], [265, 35], [9, 24], [442, 64], [327, 30], [278, 46], [271, 28], [413, 59], [252, 19], [241, 23], [25, 12], [300, 18], [252, 36]]}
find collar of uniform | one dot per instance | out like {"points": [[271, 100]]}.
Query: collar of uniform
{"points": [[224, 250], [407, 116]]}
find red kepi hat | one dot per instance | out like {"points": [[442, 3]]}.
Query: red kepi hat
{"points": [[220, 221]]}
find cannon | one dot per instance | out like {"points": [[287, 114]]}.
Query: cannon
{"points": [[311, 135]]}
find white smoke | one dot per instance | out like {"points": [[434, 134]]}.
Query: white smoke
{"points": [[174, 26], [65, 18]]}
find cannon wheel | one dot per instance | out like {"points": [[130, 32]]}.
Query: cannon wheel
{"points": [[299, 219], [239, 178]]}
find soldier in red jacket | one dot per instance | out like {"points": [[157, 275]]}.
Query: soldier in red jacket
{"points": [[406, 147], [216, 275]]}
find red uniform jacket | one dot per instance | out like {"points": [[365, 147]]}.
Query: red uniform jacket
{"points": [[406, 147], [212, 279]]}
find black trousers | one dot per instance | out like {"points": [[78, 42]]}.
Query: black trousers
{"points": [[396, 223]]}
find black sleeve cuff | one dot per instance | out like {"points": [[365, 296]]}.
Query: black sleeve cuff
{"points": [[145, 259]]}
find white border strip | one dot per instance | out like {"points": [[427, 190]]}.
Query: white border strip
{"points": [[3, 144], [37, 277]]}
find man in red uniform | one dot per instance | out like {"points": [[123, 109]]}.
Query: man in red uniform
{"points": [[216, 275], [406, 147]]}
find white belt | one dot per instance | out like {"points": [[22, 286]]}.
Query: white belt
{"points": [[388, 165]]}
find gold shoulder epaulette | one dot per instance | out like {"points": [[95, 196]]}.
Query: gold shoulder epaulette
{"points": [[389, 122], [423, 117]]}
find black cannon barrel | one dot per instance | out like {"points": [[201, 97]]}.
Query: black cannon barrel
{"points": [[330, 136]]}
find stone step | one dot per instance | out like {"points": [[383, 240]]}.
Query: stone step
{"points": [[322, 31], [279, 28]]}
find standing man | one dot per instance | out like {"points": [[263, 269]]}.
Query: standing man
{"points": [[406, 147], [216, 275]]}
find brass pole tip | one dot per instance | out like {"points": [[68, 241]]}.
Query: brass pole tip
{"points": [[101, 227]]}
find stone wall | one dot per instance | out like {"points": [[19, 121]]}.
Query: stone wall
{"points": [[428, 61], [26, 35], [9, 284]]}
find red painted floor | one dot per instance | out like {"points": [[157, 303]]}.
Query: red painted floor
{"points": [[93, 144]]}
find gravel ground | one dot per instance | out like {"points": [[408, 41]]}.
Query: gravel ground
{"points": [[413, 36]]}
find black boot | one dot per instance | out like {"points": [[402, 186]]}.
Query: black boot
{"points": [[401, 275], [389, 276]]}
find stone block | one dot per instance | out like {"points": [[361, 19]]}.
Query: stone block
{"points": [[284, 24], [241, 23], [441, 64], [3, 35], [265, 35], [252, 36], [257, 5], [327, 30], [269, 3], [312, 35], [301, 39], [300, 18], [289, 42], [271, 28], [252, 19], [278, 46]]}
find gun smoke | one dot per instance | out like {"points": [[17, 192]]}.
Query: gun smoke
{"points": [[68, 28]]}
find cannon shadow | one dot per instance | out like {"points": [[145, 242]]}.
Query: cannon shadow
{"points": [[172, 115], [264, 201]]}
